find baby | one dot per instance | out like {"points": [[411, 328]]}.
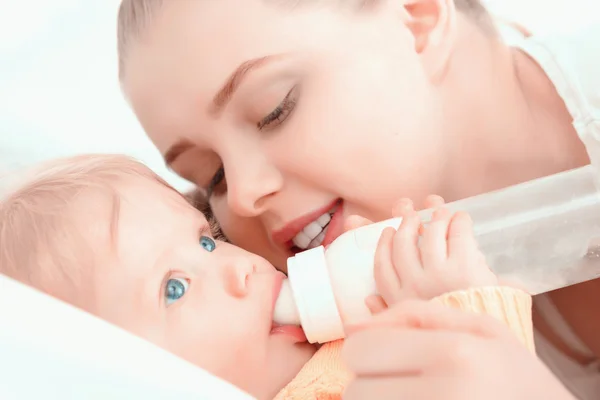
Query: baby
{"points": [[107, 235]]}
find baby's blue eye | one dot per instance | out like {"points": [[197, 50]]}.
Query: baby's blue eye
{"points": [[207, 243], [175, 289]]}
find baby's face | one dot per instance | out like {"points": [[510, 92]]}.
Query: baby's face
{"points": [[209, 302]]}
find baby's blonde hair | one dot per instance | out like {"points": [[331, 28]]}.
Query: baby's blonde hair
{"points": [[42, 239], [134, 15]]}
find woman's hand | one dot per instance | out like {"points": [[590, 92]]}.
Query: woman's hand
{"points": [[424, 350]]}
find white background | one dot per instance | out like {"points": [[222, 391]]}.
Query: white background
{"points": [[59, 91]]}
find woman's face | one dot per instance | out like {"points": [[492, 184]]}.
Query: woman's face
{"points": [[289, 118]]}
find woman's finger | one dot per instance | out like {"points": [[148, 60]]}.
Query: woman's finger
{"points": [[398, 387], [401, 351], [429, 315], [384, 388]]}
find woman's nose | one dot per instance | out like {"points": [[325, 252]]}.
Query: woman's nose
{"points": [[251, 185], [237, 274]]}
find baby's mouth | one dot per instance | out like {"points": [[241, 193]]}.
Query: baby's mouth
{"points": [[292, 331]]}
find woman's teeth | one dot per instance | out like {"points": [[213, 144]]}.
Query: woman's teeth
{"points": [[313, 234]]}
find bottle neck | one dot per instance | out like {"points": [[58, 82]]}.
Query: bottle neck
{"points": [[313, 293]]}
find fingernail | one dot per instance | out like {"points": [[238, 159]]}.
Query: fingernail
{"points": [[466, 216], [406, 203], [440, 213]]}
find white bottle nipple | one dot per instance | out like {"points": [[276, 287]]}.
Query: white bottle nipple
{"points": [[285, 312]]}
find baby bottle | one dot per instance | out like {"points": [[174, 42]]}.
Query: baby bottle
{"points": [[542, 235]]}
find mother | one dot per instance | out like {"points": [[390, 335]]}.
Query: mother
{"points": [[289, 117]]}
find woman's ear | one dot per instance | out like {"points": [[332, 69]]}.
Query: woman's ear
{"points": [[433, 26]]}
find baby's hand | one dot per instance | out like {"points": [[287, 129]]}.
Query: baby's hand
{"points": [[423, 262]]}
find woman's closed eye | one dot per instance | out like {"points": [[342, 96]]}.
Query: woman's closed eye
{"points": [[281, 112], [218, 183]]}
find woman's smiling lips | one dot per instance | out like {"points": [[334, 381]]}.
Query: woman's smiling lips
{"points": [[311, 229]]}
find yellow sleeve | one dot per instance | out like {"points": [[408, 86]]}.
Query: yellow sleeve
{"points": [[509, 305]]}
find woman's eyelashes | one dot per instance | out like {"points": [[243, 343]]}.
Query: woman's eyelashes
{"points": [[280, 113], [218, 183]]}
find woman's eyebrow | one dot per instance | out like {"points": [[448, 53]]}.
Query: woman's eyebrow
{"points": [[222, 98], [232, 83]]}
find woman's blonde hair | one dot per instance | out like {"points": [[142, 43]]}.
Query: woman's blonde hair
{"points": [[134, 15]]}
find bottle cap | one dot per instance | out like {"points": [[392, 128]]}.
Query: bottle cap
{"points": [[315, 301]]}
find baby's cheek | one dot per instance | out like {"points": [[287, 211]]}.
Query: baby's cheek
{"points": [[217, 358], [243, 366]]}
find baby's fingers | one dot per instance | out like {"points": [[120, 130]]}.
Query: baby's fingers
{"points": [[434, 201], [355, 221], [434, 249], [387, 280], [461, 238], [405, 250], [376, 304]]}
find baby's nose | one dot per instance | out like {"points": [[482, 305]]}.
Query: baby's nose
{"points": [[237, 276]]}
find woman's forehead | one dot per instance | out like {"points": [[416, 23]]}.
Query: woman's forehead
{"points": [[193, 47], [225, 33], [197, 41]]}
